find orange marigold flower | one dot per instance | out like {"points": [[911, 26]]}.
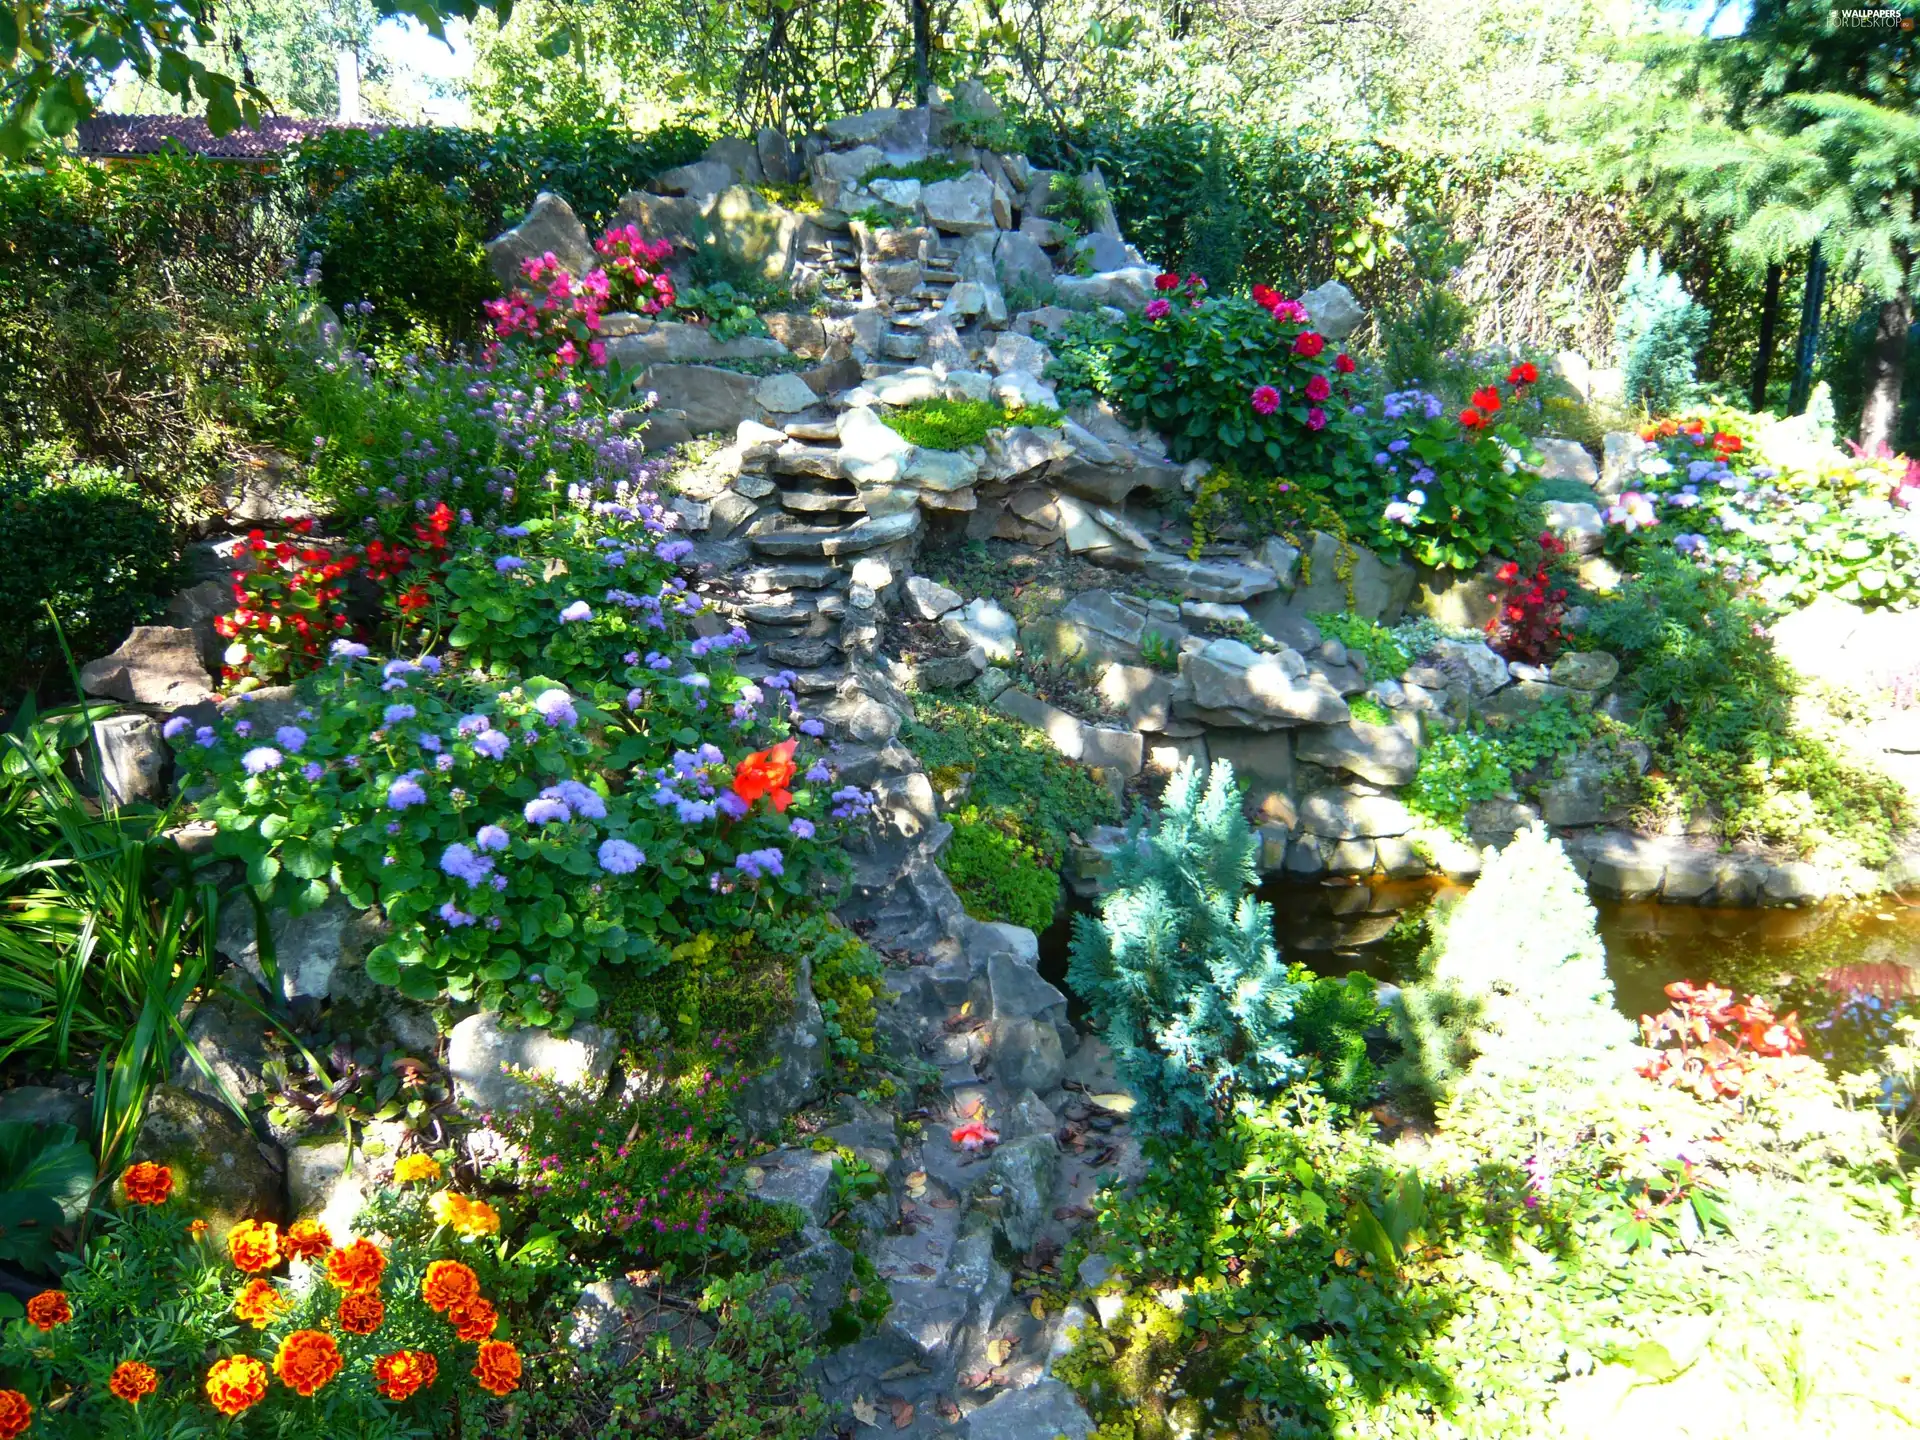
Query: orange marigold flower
{"points": [[398, 1375], [147, 1183], [254, 1245], [361, 1312], [15, 1414], [133, 1381], [409, 1169], [358, 1266], [258, 1303], [308, 1359], [49, 1309], [237, 1383], [474, 1320], [448, 1283], [197, 1228], [468, 1217], [306, 1240], [497, 1367]]}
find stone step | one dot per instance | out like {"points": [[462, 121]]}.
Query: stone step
{"points": [[819, 502], [820, 430], [801, 653], [790, 575]]}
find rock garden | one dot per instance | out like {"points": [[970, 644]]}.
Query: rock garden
{"points": [[864, 812]]}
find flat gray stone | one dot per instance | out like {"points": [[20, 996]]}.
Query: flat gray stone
{"points": [[986, 624], [785, 394], [1567, 460], [156, 665], [960, 207], [1263, 691], [1381, 753], [1585, 670], [1046, 1411], [1220, 581], [929, 599], [480, 1046], [801, 1178], [1345, 815], [1334, 311]]}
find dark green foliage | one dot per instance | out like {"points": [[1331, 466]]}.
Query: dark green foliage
{"points": [[1716, 704], [1658, 331], [398, 216], [997, 875], [929, 171], [126, 312], [1386, 656], [88, 542], [1081, 370], [1330, 1023], [1013, 770], [1180, 968], [46, 1175]]}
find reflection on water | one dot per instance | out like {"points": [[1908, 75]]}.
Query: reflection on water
{"points": [[1843, 968]]}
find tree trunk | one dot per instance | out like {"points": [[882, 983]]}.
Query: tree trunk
{"points": [[1886, 376], [922, 44], [1769, 321], [1809, 342]]}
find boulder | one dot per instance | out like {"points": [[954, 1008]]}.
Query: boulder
{"points": [[784, 393], [754, 233], [327, 1182], [1576, 525], [1125, 289], [1620, 455], [708, 398], [1469, 663], [1106, 252], [985, 623], [1145, 695], [480, 1048], [866, 127], [960, 207], [929, 599], [1585, 791], [802, 334], [1382, 754], [1096, 745], [155, 665], [134, 758], [662, 217], [1566, 460], [835, 170], [1021, 1174], [230, 1039], [1022, 260], [701, 179], [676, 342], [1221, 581], [1589, 670], [550, 227], [1110, 629], [1379, 591], [1046, 1411], [1333, 310], [1349, 815], [871, 453], [777, 536], [1262, 692], [220, 1170], [307, 949], [1263, 763]]}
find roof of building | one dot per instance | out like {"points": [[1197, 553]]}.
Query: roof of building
{"points": [[104, 136]]}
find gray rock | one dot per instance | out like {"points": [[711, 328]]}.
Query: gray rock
{"points": [[1347, 815], [833, 171], [326, 1182], [706, 398], [1567, 460], [1022, 259], [1076, 740], [960, 207], [924, 1322], [801, 1178], [1126, 289], [1620, 453], [1146, 695], [1380, 753], [1626, 866], [950, 672], [1112, 629], [1379, 591], [1015, 988], [784, 394], [1107, 252], [993, 683], [1046, 1411], [866, 127], [820, 1273], [775, 535], [1496, 822], [984, 623], [551, 227], [1796, 883], [1333, 310], [220, 1170], [755, 234], [929, 599], [696, 181], [42, 1105], [1281, 558], [1471, 662], [307, 948], [1576, 524], [480, 1046], [1024, 1172], [1520, 700], [941, 471], [134, 759], [1262, 691], [155, 665], [871, 453], [1221, 581], [230, 1040], [1585, 670], [1263, 764], [798, 1049]]}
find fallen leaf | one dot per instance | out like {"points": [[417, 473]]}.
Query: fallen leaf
{"points": [[998, 1350], [866, 1412], [904, 1369], [755, 1177], [917, 1183], [920, 1267], [941, 1202], [977, 1379], [1114, 1100], [1039, 1308], [948, 1409], [902, 1414]]}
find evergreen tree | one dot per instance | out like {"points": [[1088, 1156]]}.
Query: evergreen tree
{"points": [[1658, 331], [1180, 968]]}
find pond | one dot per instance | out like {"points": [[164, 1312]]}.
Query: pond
{"points": [[1843, 968]]}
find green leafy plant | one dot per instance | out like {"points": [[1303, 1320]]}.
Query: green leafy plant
{"points": [[1180, 968], [1330, 1021], [1159, 652], [1658, 330], [956, 424], [996, 874], [1386, 653], [930, 171], [46, 1179]]}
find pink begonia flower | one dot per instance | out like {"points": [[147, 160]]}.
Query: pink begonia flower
{"points": [[1318, 388], [1157, 309], [1316, 419], [597, 351], [1265, 400], [566, 354]]}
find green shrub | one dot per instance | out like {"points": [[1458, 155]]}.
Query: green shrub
{"points": [[1330, 1023], [1081, 370], [1180, 968], [1716, 705], [846, 976], [1463, 767], [1012, 769], [997, 875], [1658, 330], [956, 424], [90, 544], [1387, 656], [929, 171], [1513, 987]]}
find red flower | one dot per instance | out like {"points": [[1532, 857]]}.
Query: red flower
{"points": [[1727, 444], [1166, 281], [1318, 388], [974, 1135], [1343, 363], [1316, 418], [1264, 400], [767, 773], [1507, 573], [1486, 399], [1472, 419], [1525, 373], [1264, 296], [1309, 343]]}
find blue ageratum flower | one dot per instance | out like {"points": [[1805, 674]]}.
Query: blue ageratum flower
{"points": [[406, 792], [461, 863], [575, 613], [292, 738], [261, 759], [620, 857], [547, 810], [491, 837]]}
